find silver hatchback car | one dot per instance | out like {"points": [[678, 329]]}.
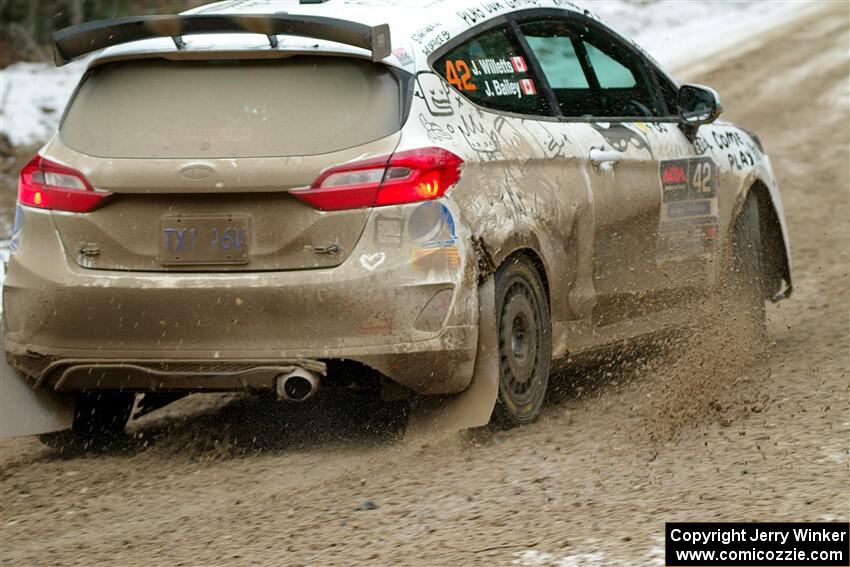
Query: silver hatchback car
{"points": [[249, 194]]}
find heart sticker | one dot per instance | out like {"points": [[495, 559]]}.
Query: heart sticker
{"points": [[372, 261]]}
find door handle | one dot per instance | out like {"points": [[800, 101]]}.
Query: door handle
{"points": [[604, 159]]}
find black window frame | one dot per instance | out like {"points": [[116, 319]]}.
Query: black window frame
{"points": [[654, 73], [662, 81]]}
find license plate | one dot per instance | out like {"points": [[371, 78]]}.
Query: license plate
{"points": [[204, 239]]}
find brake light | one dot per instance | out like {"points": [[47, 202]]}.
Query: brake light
{"points": [[405, 177], [48, 185]]}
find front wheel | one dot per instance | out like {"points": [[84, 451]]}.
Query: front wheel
{"points": [[525, 345], [744, 285]]}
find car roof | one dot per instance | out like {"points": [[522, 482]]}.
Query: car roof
{"points": [[417, 27]]}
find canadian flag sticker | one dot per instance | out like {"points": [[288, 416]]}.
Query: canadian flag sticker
{"points": [[519, 64], [527, 86]]}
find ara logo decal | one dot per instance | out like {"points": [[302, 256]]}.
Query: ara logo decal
{"points": [[674, 174]]}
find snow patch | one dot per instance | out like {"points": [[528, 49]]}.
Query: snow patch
{"points": [[675, 33], [535, 558], [33, 97]]}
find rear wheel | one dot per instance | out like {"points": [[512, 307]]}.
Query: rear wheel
{"points": [[745, 292], [99, 419], [525, 349]]}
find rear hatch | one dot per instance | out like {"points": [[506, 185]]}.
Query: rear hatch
{"points": [[200, 156]]}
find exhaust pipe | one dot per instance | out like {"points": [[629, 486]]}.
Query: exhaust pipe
{"points": [[297, 386]]}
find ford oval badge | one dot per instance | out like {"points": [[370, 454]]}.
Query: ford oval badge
{"points": [[196, 172]]}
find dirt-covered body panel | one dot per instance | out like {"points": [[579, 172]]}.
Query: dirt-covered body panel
{"points": [[602, 235], [386, 301]]}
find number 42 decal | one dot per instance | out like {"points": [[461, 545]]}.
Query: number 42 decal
{"points": [[702, 178], [458, 75]]}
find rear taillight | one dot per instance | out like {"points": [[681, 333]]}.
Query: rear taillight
{"points": [[48, 185], [405, 177]]}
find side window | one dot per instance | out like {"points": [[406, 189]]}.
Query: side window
{"points": [[490, 71], [559, 62], [591, 73], [609, 72]]}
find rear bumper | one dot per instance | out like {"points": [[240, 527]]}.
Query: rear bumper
{"points": [[414, 321]]}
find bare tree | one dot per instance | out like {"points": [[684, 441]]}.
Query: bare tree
{"points": [[75, 11]]}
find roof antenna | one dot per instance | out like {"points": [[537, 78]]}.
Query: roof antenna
{"points": [[178, 42], [272, 40]]}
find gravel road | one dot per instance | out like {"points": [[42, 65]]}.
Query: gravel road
{"points": [[702, 428]]}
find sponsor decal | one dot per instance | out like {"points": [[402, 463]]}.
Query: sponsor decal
{"points": [[688, 209], [702, 145], [420, 35], [434, 43], [402, 56], [483, 10], [436, 259], [673, 174], [688, 221], [432, 227], [740, 149], [688, 179]]}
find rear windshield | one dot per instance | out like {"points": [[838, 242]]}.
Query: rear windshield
{"points": [[157, 108]]}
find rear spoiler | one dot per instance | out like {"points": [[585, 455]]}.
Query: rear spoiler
{"points": [[72, 42]]}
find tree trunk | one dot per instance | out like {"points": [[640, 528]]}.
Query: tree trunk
{"points": [[31, 20], [75, 12]]}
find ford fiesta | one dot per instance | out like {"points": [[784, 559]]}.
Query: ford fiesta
{"points": [[254, 194]]}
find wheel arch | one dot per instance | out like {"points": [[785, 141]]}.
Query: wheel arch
{"points": [[776, 270], [537, 261]]}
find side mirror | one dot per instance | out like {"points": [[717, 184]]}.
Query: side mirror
{"points": [[698, 105]]}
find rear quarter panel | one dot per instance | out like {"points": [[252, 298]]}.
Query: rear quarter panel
{"points": [[505, 201]]}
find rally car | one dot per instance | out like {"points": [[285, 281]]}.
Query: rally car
{"points": [[254, 194]]}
